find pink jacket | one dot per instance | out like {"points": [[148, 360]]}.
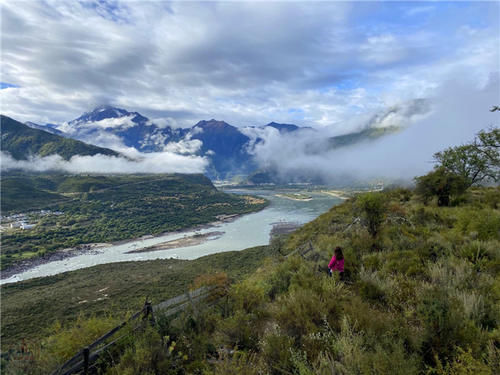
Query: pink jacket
{"points": [[336, 265]]}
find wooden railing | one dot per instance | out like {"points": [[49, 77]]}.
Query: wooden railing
{"points": [[82, 360]]}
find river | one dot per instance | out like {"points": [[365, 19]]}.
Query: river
{"points": [[244, 232]]}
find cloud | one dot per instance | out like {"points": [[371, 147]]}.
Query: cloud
{"points": [[156, 162], [184, 147], [118, 122], [452, 117], [246, 63]]}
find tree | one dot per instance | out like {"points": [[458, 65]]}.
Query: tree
{"points": [[374, 209], [442, 184], [487, 143], [474, 162], [464, 161]]}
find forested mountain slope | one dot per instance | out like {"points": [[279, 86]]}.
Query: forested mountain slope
{"points": [[83, 209], [21, 142]]}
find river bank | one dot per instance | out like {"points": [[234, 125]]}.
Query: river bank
{"points": [[296, 197], [186, 241], [27, 264], [99, 248]]}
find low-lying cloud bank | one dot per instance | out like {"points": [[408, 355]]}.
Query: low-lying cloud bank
{"points": [[457, 112], [156, 162]]}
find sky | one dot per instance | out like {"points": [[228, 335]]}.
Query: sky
{"points": [[329, 65]]}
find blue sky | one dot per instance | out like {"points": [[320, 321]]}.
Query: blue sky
{"points": [[317, 64]]}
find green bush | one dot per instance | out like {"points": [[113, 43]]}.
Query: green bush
{"points": [[440, 183], [484, 224], [240, 330], [463, 364], [371, 291], [300, 312], [280, 279], [374, 207], [248, 296], [275, 349]]}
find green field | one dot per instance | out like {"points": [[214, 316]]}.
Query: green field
{"points": [[108, 208]]}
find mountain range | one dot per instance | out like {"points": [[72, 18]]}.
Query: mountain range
{"points": [[109, 130]]}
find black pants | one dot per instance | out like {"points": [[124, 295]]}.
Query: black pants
{"points": [[341, 274]]}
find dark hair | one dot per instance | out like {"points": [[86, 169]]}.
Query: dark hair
{"points": [[338, 253]]}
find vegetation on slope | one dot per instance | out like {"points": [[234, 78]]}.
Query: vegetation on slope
{"points": [[30, 308], [21, 142], [427, 299], [109, 208], [20, 195], [421, 296]]}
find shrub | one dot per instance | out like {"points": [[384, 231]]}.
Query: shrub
{"points": [[300, 312], [404, 262], [440, 183], [238, 363], [446, 326], [374, 209], [463, 364], [148, 354], [67, 341], [280, 279], [491, 198], [240, 330], [485, 223], [248, 296], [275, 349], [370, 291]]}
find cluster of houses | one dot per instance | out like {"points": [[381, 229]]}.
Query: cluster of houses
{"points": [[21, 220]]}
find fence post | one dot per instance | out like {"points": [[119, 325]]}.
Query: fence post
{"points": [[195, 310], [86, 353], [149, 311]]}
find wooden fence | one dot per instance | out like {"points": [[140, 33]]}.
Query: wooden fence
{"points": [[82, 360]]}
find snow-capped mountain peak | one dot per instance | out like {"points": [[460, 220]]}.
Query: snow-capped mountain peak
{"points": [[108, 116]]}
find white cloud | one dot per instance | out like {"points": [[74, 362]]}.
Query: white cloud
{"points": [[184, 147], [317, 64], [459, 111], [156, 162]]}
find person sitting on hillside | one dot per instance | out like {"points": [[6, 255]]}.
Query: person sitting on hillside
{"points": [[337, 263]]}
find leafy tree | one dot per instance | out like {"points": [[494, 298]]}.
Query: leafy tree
{"points": [[442, 184], [487, 144], [475, 162]]}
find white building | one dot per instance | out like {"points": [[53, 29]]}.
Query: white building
{"points": [[27, 226]]}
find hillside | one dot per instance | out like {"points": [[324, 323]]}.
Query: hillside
{"points": [[21, 142], [30, 307], [20, 195], [420, 296], [363, 135], [89, 209]]}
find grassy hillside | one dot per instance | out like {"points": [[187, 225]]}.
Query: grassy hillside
{"points": [[20, 195], [422, 295], [30, 308], [363, 135], [21, 141], [108, 208]]}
